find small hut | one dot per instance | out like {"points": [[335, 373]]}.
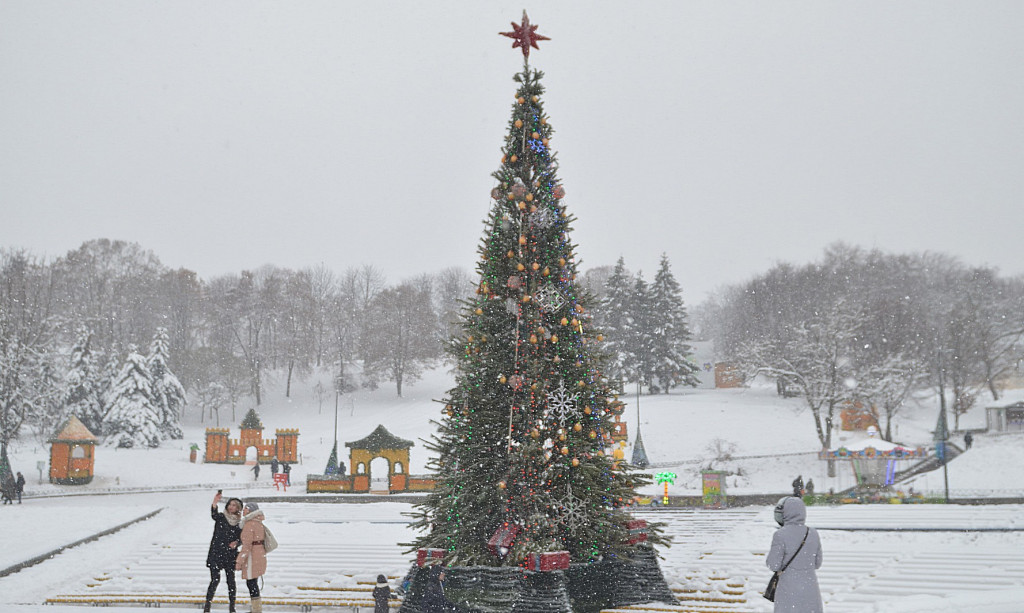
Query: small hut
{"points": [[380, 444], [72, 453]]}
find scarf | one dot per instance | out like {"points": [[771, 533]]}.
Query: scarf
{"points": [[234, 520], [253, 515]]}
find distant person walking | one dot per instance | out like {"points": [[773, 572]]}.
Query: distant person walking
{"points": [[20, 485], [810, 487], [223, 548], [798, 486], [252, 559], [273, 465], [256, 471], [968, 440], [795, 555], [287, 469], [381, 595]]}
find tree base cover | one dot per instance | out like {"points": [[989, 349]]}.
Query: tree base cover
{"points": [[583, 588]]}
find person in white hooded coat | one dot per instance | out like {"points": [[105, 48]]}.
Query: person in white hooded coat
{"points": [[797, 590]]}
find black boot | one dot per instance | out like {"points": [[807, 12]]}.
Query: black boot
{"points": [[206, 607]]}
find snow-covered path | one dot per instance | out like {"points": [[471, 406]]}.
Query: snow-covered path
{"points": [[717, 559]]}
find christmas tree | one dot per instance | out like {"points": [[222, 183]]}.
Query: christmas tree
{"points": [[525, 460]]}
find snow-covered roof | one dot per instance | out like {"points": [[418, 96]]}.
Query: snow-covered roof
{"points": [[74, 431], [380, 439]]}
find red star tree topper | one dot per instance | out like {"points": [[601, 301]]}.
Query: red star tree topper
{"points": [[525, 36]]}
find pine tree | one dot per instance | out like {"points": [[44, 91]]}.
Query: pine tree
{"points": [[168, 393], [670, 332], [637, 352], [613, 315], [81, 384], [132, 420], [524, 438]]}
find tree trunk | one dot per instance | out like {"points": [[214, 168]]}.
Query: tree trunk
{"points": [[288, 385]]}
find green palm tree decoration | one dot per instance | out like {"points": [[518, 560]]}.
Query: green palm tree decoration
{"points": [[665, 478]]}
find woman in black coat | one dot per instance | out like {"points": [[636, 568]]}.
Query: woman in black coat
{"points": [[381, 595], [223, 548], [434, 600]]}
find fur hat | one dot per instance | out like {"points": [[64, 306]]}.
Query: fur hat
{"points": [[252, 506]]}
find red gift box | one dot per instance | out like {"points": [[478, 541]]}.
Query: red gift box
{"points": [[502, 540], [424, 555], [637, 531], [550, 560]]}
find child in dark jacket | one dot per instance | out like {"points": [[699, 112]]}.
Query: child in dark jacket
{"points": [[381, 594]]}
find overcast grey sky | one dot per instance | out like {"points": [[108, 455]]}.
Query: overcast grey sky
{"points": [[730, 135]]}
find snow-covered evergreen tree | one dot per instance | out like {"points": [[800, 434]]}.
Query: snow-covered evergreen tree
{"points": [[613, 313], [132, 420], [108, 375], [637, 352], [81, 384], [669, 332], [168, 393]]}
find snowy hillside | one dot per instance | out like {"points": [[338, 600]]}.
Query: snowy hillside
{"points": [[680, 431]]}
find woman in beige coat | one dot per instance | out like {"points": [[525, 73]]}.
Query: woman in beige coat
{"points": [[252, 559]]}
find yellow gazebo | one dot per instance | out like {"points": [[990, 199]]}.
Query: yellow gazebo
{"points": [[72, 454]]}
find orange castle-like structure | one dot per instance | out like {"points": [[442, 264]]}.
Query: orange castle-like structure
{"points": [[222, 450]]}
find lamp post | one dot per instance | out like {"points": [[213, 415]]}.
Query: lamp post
{"points": [[940, 438]]}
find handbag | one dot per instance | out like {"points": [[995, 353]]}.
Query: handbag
{"points": [[769, 592], [269, 542]]}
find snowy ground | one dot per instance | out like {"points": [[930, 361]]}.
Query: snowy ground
{"points": [[678, 429], [338, 545]]}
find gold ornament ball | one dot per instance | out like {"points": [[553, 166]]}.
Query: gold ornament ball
{"points": [[535, 136], [600, 337], [502, 485], [520, 267], [592, 434], [565, 321], [514, 159], [502, 379], [534, 98], [535, 433], [543, 121], [588, 410], [561, 437], [535, 266], [479, 311], [526, 298], [529, 197], [554, 338], [577, 426], [575, 461], [522, 239], [521, 205], [545, 141], [547, 271], [521, 100], [561, 261], [580, 383], [533, 339], [510, 254], [519, 123], [565, 451]]}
